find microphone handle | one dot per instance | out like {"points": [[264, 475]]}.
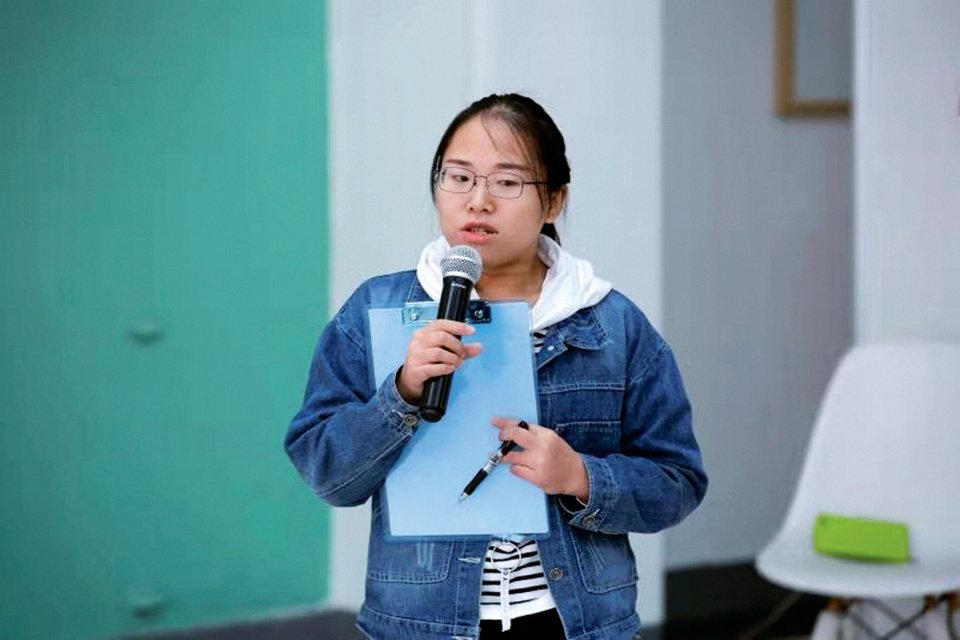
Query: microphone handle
{"points": [[454, 301]]}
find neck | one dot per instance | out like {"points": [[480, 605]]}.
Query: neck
{"points": [[513, 284]]}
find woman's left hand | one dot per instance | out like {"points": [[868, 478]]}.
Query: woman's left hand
{"points": [[546, 460]]}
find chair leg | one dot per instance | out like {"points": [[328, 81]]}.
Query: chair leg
{"points": [[827, 626], [863, 624], [953, 615], [939, 619], [935, 619]]}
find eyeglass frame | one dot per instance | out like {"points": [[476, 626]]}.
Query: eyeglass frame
{"points": [[437, 174]]}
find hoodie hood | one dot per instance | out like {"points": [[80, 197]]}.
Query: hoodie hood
{"points": [[570, 284]]}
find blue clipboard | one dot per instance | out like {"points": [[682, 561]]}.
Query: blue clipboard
{"points": [[422, 491]]}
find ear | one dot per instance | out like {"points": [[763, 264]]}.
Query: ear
{"points": [[558, 201]]}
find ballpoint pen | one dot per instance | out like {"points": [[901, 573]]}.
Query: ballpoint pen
{"points": [[487, 468]]}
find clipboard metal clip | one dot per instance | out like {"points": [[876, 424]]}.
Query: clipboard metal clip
{"points": [[424, 312]]}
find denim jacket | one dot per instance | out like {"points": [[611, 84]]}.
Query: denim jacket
{"points": [[607, 383]]}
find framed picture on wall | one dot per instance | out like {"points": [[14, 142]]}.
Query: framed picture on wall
{"points": [[814, 58]]}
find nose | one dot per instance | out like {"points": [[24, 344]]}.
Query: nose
{"points": [[480, 198]]}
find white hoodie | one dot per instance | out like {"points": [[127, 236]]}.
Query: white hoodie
{"points": [[569, 286]]}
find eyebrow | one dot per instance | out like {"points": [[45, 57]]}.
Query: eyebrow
{"points": [[499, 166]]}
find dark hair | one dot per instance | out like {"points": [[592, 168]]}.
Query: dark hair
{"points": [[538, 135]]}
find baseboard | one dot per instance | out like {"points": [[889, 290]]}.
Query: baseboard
{"points": [[329, 624]]}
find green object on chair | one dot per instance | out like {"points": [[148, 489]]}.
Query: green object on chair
{"points": [[861, 538]]}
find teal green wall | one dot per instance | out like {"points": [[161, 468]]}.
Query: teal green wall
{"points": [[163, 256]]}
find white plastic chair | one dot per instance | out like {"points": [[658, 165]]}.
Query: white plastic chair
{"points": [[885, 445]]}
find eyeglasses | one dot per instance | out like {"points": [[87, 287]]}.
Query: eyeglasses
{"points": [[499, 185]]}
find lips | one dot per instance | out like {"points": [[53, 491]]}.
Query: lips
{"points": [[478, 228]]}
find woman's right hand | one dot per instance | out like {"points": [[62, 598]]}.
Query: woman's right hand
{"points": [[434, 350]]}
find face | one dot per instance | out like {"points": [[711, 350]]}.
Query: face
{"points": [[504, 231]]}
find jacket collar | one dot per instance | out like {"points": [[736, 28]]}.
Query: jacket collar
{"points": [[416, 292], [583, 330]]}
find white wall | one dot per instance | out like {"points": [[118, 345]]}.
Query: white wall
{"points": [[757, 291], [401, 71], [396, 74], [907, 112]]}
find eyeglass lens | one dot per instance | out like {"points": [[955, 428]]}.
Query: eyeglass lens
{"points": [[499, 185]]}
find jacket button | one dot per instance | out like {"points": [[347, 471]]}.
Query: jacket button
{"points": [[590, 521], [556, 573], [411, 419]]}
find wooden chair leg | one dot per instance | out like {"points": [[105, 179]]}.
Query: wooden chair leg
{"points": [[827, 626], [933, 622], [953, 615]]}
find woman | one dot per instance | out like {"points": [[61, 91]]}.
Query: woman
{"points": [[615, 453]]}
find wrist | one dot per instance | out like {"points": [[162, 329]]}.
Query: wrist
{"points": [[580, 489], [404, 391]]}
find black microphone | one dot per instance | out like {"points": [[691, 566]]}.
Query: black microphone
{"points": [[461, 268]]}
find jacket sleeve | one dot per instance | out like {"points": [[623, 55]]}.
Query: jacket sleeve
{"points": [[347, 435], [657, 478]]}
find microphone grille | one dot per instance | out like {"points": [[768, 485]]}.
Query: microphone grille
{"points": [[462, 260]]}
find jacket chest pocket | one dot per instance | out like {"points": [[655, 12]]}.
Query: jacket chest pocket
{"points": [[586, 416]]}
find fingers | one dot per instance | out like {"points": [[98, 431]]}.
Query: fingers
{"points": [[439, 340], [446, 335], [472, 349], [434, 350], [523, 472], [510, 430], [451, 326], [546, 459]]}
